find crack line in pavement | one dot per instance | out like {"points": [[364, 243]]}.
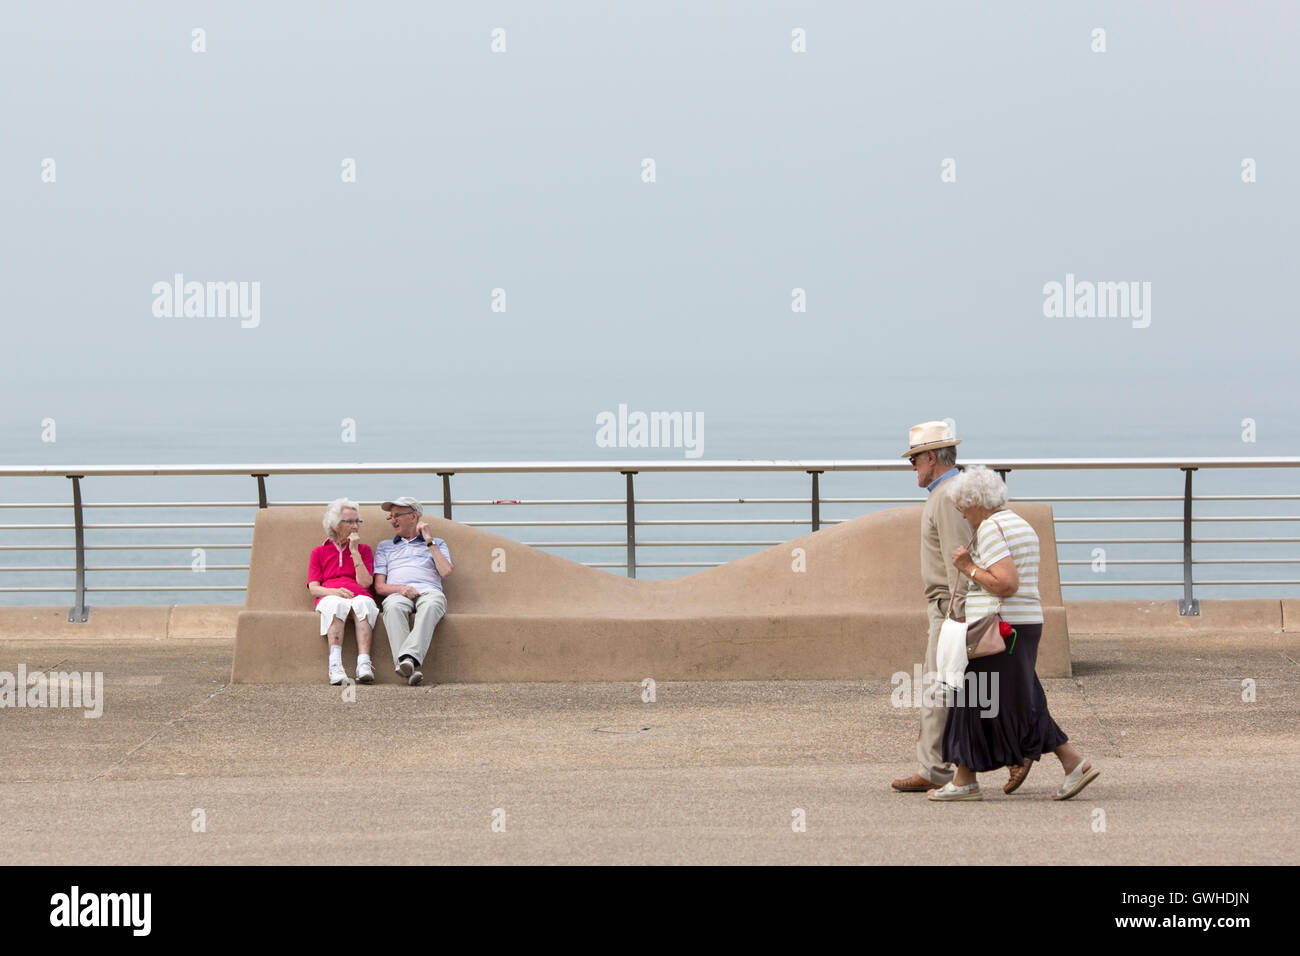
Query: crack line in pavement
{"points": [[179, 717], [1096, 716]]}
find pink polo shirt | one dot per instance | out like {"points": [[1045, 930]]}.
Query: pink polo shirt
{"points": [[331, 566]]}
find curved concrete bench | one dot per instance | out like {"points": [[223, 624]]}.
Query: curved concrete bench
{"points": [[856, 611]]}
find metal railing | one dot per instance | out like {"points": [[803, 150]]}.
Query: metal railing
{"points": [[629, 521]]}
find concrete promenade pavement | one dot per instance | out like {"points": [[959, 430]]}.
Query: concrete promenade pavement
{"points": [[1191, 773]]}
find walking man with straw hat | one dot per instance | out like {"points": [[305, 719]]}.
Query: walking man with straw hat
{"points": [[932, 450]]}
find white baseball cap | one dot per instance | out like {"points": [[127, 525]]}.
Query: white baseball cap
{"points": [[404, 502]]}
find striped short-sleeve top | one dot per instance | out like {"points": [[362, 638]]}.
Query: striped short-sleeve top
{"points": [[1006, 533]]}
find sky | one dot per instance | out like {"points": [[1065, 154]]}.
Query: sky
{"points": [[523, 169]]}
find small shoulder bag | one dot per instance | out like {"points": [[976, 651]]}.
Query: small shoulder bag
{"points": [[984, 637]]}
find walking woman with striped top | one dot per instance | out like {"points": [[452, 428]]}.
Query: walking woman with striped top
{"points": [[1003, 568]]}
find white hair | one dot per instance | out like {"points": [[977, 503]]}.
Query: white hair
{"points": [[977, 486], [334, 512]]}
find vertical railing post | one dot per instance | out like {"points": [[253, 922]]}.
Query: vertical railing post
{"points": [[1188, 606], [261, 489], [816, 502], [79, 612], [631, 526], [446, 493], [1003, 472]]}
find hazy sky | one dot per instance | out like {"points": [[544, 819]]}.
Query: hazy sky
{"points": [[522, 170]]}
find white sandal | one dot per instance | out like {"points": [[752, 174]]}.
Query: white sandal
{"points": [[1075, 781], [950, 791]]}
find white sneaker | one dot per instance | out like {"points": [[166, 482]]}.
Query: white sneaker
{"points": [[365, 673], [950, 791], [415, 678], [337, 674], [405, 668]]}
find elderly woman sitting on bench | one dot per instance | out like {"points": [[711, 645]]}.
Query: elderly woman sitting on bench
{"points": [[339, 576]]}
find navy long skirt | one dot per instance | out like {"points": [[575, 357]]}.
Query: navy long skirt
{"points": [[999, 717]]}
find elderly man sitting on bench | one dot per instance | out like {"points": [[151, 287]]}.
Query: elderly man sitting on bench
{"points": [[409, 570]]}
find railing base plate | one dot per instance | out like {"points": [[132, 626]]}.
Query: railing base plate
{"points": [[78, 615], [1189, 608]]}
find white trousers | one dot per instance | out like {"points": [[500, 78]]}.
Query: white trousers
{"points": [[333, 606]]}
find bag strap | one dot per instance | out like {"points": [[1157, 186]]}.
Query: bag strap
{"points": [[997, 610], [950, 600], [1001, 531]]}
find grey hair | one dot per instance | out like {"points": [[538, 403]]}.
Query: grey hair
{"points": [[946, 456], [334, 512], [977, 486]]}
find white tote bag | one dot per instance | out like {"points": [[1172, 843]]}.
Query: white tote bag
{"points": [[951, 656]]}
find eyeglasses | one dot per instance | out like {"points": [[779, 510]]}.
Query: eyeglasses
{"points": [[393, 515], [357, 521]]}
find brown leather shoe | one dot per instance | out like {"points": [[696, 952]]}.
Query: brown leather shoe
{"points": [[914, 784], [1018, 775]]}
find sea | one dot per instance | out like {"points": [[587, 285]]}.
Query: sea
{"points": [[542, 418]]}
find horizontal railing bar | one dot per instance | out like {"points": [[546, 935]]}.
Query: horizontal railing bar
{"points": [[575, 544], [1246, 497], [143, 589], [706, 544], [1118, 584], [234, 587], [1178, 562], [129, 567], [666, 522], [649, 544], [168, 547], [125, 547], [1061, 541], [1137, 519], [487, 502], [1232, 520], [135, 504], [649, 523], [1176, 540], [167, 587], [645, 544], [1110, 561], [617, 467], [171, 567], [169, 524], [1247, 561], [128, 527], [588, 523], [1046, 499], [1249, 583], [1126, 584]]}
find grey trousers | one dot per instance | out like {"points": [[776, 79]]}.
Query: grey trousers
{"points": [[414, 641], [929, 746]]}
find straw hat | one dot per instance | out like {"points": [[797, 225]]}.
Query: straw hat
{"points": [[928, 436]]}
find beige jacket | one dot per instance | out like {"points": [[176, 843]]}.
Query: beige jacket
{"points": [[943, 530]]}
